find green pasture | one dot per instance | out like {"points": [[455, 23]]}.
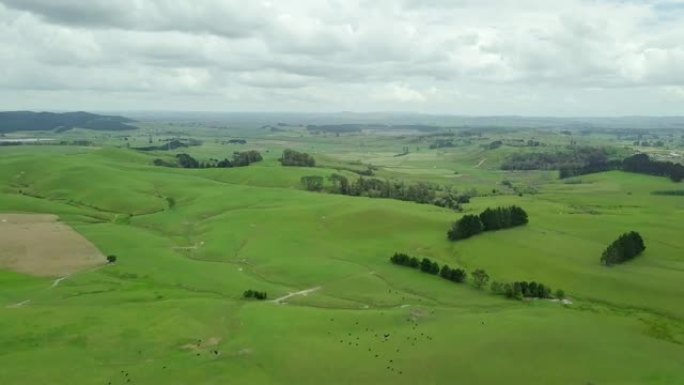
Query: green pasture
{"points": [[170, 311]]}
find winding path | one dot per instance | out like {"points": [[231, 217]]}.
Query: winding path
{"points": [[303, 292]]}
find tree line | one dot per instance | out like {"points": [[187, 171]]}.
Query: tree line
{"points": [[239, 159], [523, 289], [571, 158], [428, 266], [642, 164], [638, 163], [626, 247], [297, 159], [488, 220], [260, 295], [426, 193], [514, 290]]}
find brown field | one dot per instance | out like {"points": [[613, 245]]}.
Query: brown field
{"points": [[38, 244]]}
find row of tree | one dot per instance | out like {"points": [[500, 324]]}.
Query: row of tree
{"points": [[523, 289], [427, 193], [480, 278], [427, 266], [296, 158], [260, 295], [489, 220], [626, 247], [592, 168], [571, 157], [639, 163], [642, 164], [239, 159]]}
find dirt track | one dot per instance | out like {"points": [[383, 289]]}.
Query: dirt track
{"points": [[38, 244], [303, 292]]}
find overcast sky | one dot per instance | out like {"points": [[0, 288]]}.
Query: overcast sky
{"points": [[466, 57]]}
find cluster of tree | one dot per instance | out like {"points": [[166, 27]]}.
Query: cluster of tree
{"points": [[592, 168], [260, 295], [427, 266], [489, 220], [522, 289], [245, 158], [335, 128], [571, 158], [237, 141], [111, 259], [442, 143], [645, 143], [172, 145], [425, 193], [642, 164], [493, 145], [626, 247], [240, 159], [639, 163], [295, 158], [669, 192]]}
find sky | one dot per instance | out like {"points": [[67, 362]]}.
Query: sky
{"points": [[461, 57]]}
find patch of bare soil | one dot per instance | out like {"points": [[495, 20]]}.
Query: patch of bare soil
{"points": [[38, 244]]}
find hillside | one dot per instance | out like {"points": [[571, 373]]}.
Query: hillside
{"points": [[13, 121], [171, 309]]}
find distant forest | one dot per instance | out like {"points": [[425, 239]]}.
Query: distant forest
{"points": [[239, 159], [577, 161], [570, 158], [13, 121], [172, 145], [421, 192], [639, 163]]}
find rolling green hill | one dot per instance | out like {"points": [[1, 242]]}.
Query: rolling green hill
{"points": [[171, 309], [14, 121]]}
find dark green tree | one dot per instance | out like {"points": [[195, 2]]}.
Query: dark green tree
{"points": [[480, 278], [312, 182], [465, 227]]}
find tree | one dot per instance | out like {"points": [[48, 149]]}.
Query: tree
{"points": [[626, 247], [186, 161], [560, 294], [111, 259], [497, 287], [245, 158], [488, 220], [340, 183], [480, 278], [400, 259], [445, 272], [295, 158], [414, 262], [260, 295], [508, 290], [171, 201], [465, 227], [458, 275], [312, 182], [428, 266]]}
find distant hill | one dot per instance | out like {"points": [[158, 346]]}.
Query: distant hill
{"points": [[12, 121]]}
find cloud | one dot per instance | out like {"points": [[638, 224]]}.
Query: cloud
{"points": [[466, 56]]}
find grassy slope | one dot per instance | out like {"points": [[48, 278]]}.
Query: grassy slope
{"points": [[252, 229]]}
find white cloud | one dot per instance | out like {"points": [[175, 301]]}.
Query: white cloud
{"points": [[466, 56]]}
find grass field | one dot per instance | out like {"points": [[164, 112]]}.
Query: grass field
{"points": [[171, 309]]}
